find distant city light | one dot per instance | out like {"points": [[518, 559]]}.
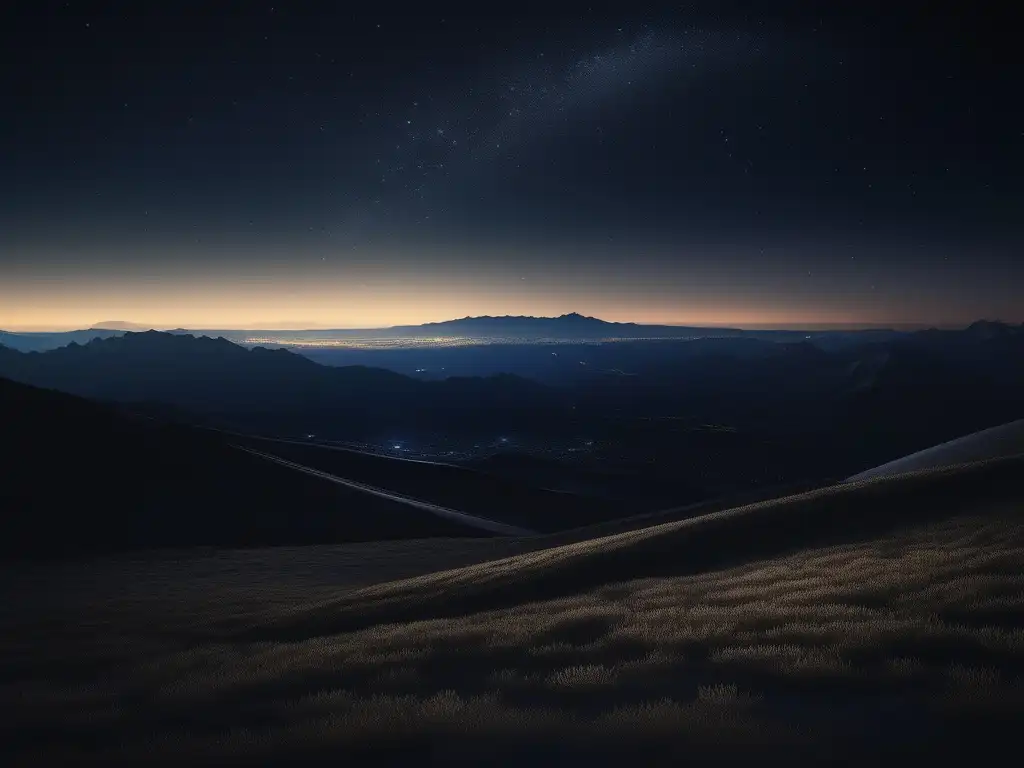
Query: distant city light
{"points": [[345, 341]]}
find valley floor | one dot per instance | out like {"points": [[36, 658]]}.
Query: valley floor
{"points": [[860, 621]]}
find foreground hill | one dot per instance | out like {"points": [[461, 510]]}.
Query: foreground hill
{"points": [[84, 478], [262, 388], [1004, 440], [859, 622]]}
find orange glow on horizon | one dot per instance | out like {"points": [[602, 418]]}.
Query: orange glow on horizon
{"points": [[279, 300], [382, 310]]}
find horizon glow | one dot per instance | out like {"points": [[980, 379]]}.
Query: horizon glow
{"points": [[690, 168]]}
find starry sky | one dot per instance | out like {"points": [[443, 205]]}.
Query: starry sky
{"points": [[281, 165]]}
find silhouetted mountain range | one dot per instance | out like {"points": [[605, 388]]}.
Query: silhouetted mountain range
{"points": [[564, 328], [568, 326], [32, 342], [260, 387], [789, 407]]}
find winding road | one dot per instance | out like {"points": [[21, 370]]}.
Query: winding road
{"points": [[450, 514]]}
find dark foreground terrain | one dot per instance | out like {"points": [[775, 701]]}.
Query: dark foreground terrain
{"points": [[479, 493], [869, 620], [86, 478], [83, 478]]}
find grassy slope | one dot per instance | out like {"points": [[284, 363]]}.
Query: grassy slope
{"points": [[884, 616]]}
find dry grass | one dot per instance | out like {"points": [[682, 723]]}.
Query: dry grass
{"points": [[890, 643]]}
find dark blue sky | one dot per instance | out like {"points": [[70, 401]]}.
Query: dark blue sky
{"points": [[246, 163]]}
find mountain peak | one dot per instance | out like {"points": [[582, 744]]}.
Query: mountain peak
{"points": [[118, 325], [990, 329]]}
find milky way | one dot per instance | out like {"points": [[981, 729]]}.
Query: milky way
{"points": [[454, 145], [337, 164]]}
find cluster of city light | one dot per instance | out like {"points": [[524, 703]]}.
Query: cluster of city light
{"points": [[436, 341], [355, 343]]}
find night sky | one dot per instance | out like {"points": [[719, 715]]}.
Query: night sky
{"points": [[262, 164]]}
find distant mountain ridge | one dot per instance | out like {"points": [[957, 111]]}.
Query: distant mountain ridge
{"points": [[568, 326], [120, 325], [570, 317], [565, 328], [39, 341], [826, 410]]}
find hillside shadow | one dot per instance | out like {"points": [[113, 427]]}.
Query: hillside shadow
{"points": [[839, 514]]}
